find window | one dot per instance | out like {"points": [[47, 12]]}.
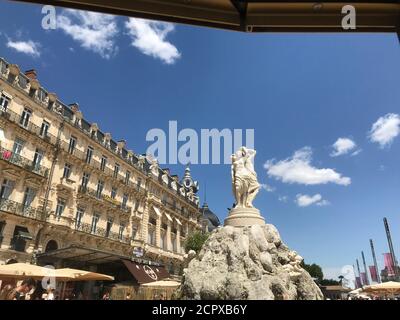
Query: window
{"points": [[85, 180], [29, 196], [109, 226], [164, 199], [103, 163], [163, 241], [44, 129], [116, 170], [95, 220], [72, 145], [4, 102], [60, 208], [127, 177], [151, 236], [37, 159], [174, 244], [89, 154], [6, 188], [139, 183], [113, 192], [18, 146], [67, 171], [79, 216], [134, 231], [100, 186], [26, 116], [121, 231], [137, 204], [124, 200]]}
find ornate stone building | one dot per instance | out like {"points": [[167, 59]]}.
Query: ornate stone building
{"points": [[72, 196]]}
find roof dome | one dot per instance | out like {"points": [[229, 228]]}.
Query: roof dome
{"points": [[210, 216]]}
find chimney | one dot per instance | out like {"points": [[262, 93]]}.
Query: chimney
{"points": [[31, 74]]}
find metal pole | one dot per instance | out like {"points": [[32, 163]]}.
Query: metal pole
{"points": [[390, 243], [375, 262], [365, 267]]}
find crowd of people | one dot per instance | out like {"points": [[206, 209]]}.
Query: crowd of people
{"points": [[28, 289]]}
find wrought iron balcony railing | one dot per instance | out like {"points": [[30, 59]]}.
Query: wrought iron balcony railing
{"points": [[104, 199], [19, 209], [31, 127], [101, 232], [20, 161]]}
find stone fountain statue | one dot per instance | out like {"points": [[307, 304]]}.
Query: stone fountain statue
{"points": [[245, 187], [246, 259]]}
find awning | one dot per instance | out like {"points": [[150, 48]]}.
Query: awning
{"points": [[144, 273], [177, 220], [24, 235], [168, 216], [157, 211]]}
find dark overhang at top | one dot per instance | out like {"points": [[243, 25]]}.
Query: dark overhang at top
{"points": [[251, 15]]}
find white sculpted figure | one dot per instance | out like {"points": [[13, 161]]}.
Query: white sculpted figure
{"points": [[244, 178]]}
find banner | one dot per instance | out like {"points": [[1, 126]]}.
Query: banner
{"points": [[389, 264], [364, 278], [358, 283], [374, 273]]}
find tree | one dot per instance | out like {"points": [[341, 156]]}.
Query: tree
{"points": [[341, 279], [195, 241], [314, 270]]}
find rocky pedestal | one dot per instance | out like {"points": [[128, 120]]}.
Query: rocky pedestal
{"points": [[248, 263]]}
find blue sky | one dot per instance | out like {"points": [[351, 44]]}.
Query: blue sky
{"points": [[299, 92]]}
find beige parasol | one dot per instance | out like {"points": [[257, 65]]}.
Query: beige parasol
{"points": [[390, 287], [68, 274], [24, 271]]}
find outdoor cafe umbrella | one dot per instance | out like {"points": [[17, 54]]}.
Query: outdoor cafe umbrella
{"points": [[162, 284], [68, 274], [24, 270], [390, 287]]}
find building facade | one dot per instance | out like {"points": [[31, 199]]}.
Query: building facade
{"points": [[67, 187]]}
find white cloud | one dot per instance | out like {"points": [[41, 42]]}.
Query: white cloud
{"points": [[28, 47], [149, 38], [283, 198], [298, 169], [304, 200], [93, 31], [385, 129], [343, 146], [267, 187]]}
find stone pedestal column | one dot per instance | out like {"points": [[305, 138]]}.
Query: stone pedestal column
{"points": [[241, 217]]}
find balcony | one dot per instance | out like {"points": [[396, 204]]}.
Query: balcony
{"points": [[31, 127], [101, 232], [104, 199], [22, 162], [19, 209]]}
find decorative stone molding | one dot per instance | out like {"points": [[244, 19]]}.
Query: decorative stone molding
{"points": [[107, 140], [14, 69]]}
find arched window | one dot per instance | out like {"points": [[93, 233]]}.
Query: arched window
{"points": [[51, 246]]}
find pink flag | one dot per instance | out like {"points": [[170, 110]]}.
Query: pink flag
{"points": [[358, 283], [364, 278], [389, 263], [374, 273]]}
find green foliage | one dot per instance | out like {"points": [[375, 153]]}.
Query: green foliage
{"points": [[314, 270], [195, 241]]}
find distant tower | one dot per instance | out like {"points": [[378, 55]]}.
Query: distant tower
{"points": [[389, 239], [358, 269], [365, 268], [375, 263]]}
